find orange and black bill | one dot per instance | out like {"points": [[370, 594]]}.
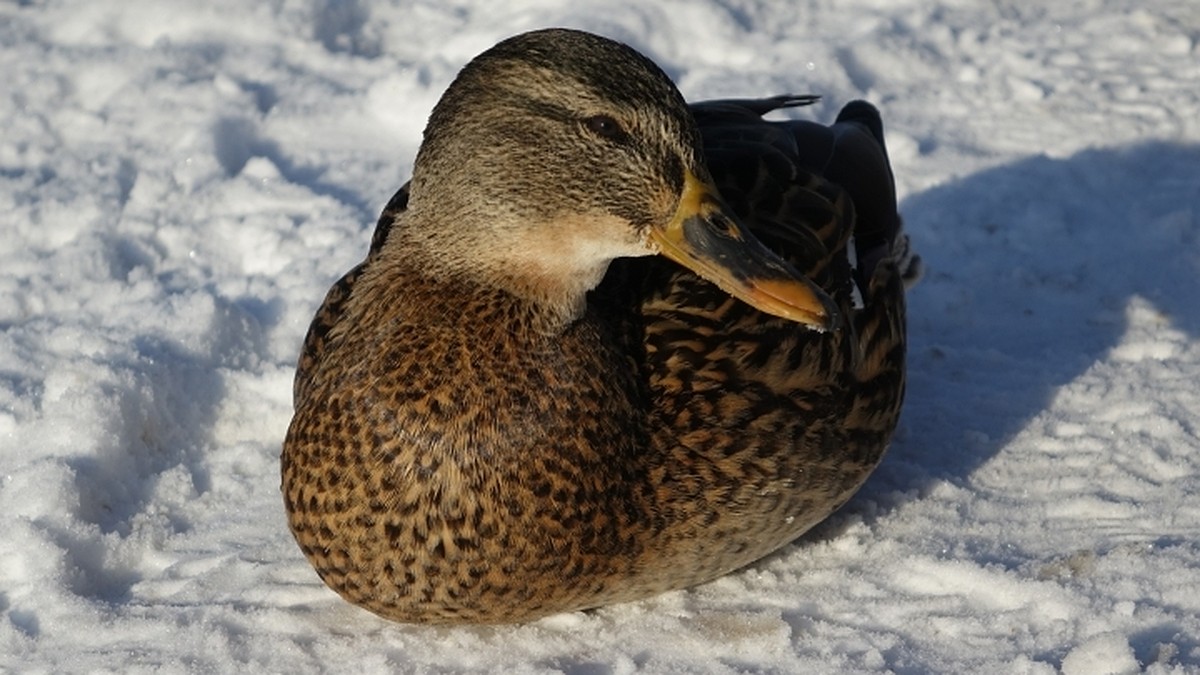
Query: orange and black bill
{"points": [[707, 238]]}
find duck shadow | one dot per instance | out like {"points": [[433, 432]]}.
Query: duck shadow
{"points": [[1034, 272]]}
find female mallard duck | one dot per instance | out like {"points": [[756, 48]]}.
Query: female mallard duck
{"points": [[496, 419]]}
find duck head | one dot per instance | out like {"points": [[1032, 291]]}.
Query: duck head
{"points": [[557, 151]]}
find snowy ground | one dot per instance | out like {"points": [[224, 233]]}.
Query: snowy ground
{"points": [[180, 182]]}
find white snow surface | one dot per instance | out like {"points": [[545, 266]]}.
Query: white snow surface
{"points": [[181, 182]]}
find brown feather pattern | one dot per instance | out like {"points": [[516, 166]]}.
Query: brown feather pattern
{"points": [[450, 461]]}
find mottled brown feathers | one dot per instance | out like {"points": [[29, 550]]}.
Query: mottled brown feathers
{"points": [[465, 451]]}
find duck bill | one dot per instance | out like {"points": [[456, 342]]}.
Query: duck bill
{"points": [[705, 237]]}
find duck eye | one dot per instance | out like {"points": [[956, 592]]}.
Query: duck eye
{"points": [[605, 126]]}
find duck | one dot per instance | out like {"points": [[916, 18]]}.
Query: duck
{"points": [[603, 344]]}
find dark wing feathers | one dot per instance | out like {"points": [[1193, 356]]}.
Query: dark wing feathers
{"points": [[760, 168]]}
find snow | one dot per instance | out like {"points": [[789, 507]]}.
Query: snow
{"points": [[181, 182]]}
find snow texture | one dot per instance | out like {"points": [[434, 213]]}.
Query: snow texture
{"points": [[181, 182]]}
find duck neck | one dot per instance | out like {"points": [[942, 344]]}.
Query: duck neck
{"points": [[540, 285]]}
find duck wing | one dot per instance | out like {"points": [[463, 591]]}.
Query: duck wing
{"points": [[784, 177], [778, 408]]}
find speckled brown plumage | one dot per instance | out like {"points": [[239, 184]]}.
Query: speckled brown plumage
{"points": [[485, 434]]}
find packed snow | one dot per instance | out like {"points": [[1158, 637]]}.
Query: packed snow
{"points": [[181, 182]]}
